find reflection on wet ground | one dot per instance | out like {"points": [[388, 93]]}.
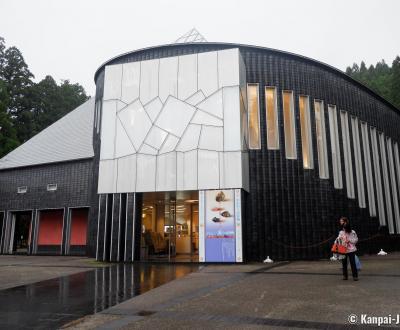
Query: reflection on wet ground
{"points": [[52, 303]]}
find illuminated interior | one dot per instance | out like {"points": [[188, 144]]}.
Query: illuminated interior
{"points": [[170, 226]]}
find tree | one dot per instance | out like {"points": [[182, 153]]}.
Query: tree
{"points": [[395, 82], [8, 136]]}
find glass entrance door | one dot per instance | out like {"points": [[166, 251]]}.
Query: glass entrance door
{"points": [[170, 227]]}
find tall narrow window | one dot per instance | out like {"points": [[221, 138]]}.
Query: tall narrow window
{"points": [[335, 147], [358, 162], [321, 139], [254, 116], [306, 142], [397, 162], [272, 118], [289, 126], [395, 196], [378, 177], [386, 184], [368, 169], [347, 154]]}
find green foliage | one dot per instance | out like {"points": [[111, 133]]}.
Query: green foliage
{"points": [[381, 78], [8, 136], [28, 107]]}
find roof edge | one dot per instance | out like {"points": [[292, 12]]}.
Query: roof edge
{"points": [[286, 53]]}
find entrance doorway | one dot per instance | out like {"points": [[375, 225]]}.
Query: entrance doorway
{"points": [[170, 227], [22, 227]]}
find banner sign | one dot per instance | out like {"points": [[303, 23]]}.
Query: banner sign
{"points": [[220, 234]]}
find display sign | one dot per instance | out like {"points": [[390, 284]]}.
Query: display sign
{"points": [[220, 234]]}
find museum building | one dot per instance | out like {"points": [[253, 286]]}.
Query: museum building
{"points": [[208, 152]]}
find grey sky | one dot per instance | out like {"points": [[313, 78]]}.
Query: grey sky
{"points": [[69, 39]]}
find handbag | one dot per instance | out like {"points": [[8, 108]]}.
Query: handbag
{"points": [[338, 247]]}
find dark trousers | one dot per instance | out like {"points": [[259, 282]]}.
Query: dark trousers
{"points": [[352, 257]]}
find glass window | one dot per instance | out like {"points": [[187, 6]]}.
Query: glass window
{"points": [[289, 127], [254, 116], [368, 169], [335, 147], [378, 178], [272, 118], [321, 139], [386, 185], [393, 182], [358, 162], [306, 142], [347, 154]]}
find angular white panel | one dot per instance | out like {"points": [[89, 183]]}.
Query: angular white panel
{"points": [[211, 138], [228, 67], [196, 98], [148, 80], [148, 150], [203, 118], [187, 76], [175, 116], [190, 139], [123, 146], [126, 180], [107, 176], [170, 144], [112, 82], [166, 172], [180, 171], [156, 137], [146, 173], [207, 72], [130, 81], [121, 105], [231, 119], [213, 104], [136, 122], [230, 169], [190, 170], [168, 78], [208, 169], [108, 129], [153, 108]]}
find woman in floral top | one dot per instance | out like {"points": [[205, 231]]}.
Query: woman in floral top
{"points": [[349, 239]]}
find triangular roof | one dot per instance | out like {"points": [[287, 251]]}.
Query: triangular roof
{"points": [[69, 138], [192, 36]]}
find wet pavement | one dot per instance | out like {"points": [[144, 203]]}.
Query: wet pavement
{"points": [[52, 303]]}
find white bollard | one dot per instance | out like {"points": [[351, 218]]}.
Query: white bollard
{"points": [[382, 253], [268, 260]]}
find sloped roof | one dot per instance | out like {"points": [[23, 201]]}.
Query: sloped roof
{"points": [[69, 138]]}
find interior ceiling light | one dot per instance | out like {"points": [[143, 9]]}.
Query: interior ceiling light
{"points": [[191, 200]]}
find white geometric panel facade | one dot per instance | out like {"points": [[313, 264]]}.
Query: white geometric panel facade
{"points": [[175, 123]]}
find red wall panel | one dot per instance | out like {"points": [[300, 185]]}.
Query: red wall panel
{"points": [[79, 220], [50, 227]]}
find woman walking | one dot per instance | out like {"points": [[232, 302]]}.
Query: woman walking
{"points": [[349, 239]]}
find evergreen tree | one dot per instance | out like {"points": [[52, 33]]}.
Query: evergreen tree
{"points": [[395, 82], [8, 136]]}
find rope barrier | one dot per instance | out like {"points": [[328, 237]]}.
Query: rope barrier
{"points": [[319, 243]]}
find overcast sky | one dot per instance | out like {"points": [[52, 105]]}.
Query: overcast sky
{"points": [[70, 39]]}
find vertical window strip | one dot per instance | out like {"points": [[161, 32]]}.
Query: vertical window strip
{"points": [[397, 167], [393, 184], [335, 147], [99, 114], [289, 126], [368, 169], [386, 183], [271, 112], [305, 125], [253, 104], [358, 162], [321, 139], [378, 177], [347, 154], [96, 105]]}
